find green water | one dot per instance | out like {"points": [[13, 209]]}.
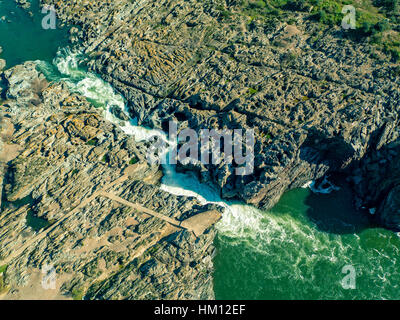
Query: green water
{"points": [[33, 221], [298, 249], [295, 251], [22, 36]]}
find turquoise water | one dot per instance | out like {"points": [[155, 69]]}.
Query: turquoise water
{"points": [[295, 251], [22, 36]]}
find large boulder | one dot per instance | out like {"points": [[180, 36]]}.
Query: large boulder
{"points": [[25, 83], [2, 64], [390, 210]]}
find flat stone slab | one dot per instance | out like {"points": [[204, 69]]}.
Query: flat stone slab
{"points": [[201, 221]]}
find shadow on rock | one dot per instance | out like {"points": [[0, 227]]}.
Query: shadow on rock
{"points": [[334, 212]]}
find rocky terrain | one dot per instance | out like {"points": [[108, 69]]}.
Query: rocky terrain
{"points": [[78, 194], [320, 101], [63, 168]]}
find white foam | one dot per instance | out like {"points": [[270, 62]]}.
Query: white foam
{"points": [[80, 81], [67, 63], [238, 220], [307, 184], [325, 187], [293, 247]]}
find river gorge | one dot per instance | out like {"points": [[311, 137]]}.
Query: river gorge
{"points": [[294, 249]]}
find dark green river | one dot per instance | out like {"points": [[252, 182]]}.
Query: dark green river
{"points": [[297, 250]]}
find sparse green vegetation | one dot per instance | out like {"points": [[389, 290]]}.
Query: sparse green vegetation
{"points": [[224, 13], [152, 250], [133, 160], [77, 293], [105, 158], [258, 4], [92, 142], [266, 136], [289, 58], [376, 20], [3, 268], [252, 91], [2, 284]]}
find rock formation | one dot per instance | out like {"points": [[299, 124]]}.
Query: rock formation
{"points": [[78, 196], [319, 101], [63, 166]]}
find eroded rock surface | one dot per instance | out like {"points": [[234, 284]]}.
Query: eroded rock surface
{"points": [[318, 101], [58, 154]]}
